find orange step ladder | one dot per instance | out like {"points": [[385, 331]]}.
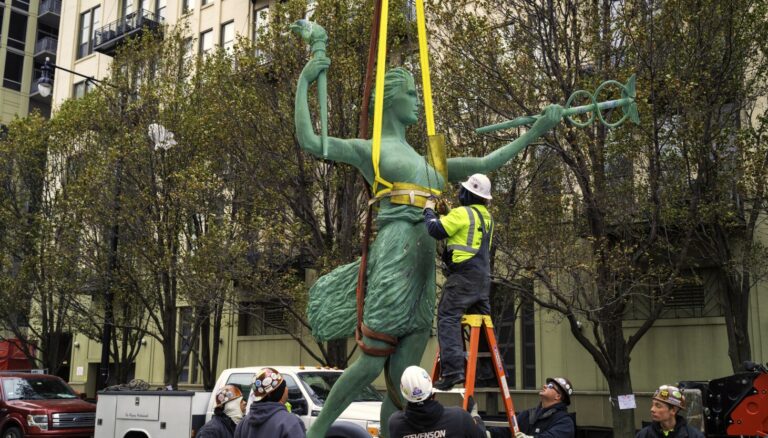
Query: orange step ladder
{"points": [[476, 325]]}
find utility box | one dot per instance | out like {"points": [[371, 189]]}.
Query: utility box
{"points": [[150, 414]]}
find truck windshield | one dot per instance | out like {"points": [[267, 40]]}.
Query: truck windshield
{"points": [[318, 384], [36, 388]]}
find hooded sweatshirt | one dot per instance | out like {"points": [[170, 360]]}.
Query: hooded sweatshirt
{"points": [[270, 420], [220, 426], [430, 419]]}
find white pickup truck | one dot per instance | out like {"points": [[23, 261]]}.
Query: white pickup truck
{"points": [[174, 414], [308, 388]]}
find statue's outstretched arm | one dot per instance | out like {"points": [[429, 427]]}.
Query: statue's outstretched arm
{"points": [[352, 151], [461, 167]]}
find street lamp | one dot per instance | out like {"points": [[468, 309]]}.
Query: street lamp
{"points": [[45, 86], [45, 83]]}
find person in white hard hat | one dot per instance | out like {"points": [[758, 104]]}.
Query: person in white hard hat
{"points": [[468, 232], [425, 416], [550, 419]]}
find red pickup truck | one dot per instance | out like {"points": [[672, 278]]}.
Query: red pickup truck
{"points": [[40, 405]]}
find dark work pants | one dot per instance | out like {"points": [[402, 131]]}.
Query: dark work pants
{"points": [[464, 292]]}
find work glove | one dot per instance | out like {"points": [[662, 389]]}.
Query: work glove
{"points": [[519, 434], [431, 203]]}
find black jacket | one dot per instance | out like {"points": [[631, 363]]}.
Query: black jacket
{"points": [[682, 430], [270, 420], [431, 420], [220, 426], [553, 422]]}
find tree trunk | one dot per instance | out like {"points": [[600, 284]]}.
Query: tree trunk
{"points": [[620, 383], [737, 319], [337, 353]]}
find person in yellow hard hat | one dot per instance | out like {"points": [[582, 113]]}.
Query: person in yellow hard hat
{"points": [[468, 231], [667, 403]]}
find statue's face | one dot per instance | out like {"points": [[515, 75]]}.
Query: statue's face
{"points": [[405, 105]]}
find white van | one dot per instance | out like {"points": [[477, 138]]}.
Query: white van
{"points": [[308, 388]]}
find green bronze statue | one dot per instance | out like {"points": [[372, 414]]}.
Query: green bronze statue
{"points": [[400, 295]]}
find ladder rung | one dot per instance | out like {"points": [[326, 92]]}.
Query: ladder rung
{"points": [[486, 354]]}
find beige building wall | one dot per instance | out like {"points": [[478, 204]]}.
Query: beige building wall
{"points": [[15, 102]]}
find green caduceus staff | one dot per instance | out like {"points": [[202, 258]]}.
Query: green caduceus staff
{"points": [[316, 37]]}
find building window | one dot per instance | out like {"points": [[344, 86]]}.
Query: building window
{"points": [[206, 41], [205, 2], [263, 318], [189, 49], [228, 36], [186, 353], [14, 66], [160, 9], [503, 301], [528, 337], [187, 5], [695, 294], [82, 88], [17, 31], [260, 21], [89, 22], [21, 4], [128, 8]]}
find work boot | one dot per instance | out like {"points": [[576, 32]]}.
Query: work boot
{"points": [[447, 382]]}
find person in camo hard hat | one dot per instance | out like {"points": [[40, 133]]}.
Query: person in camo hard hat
{"points": [[229, 410], [550, 419], [268, 417], [667, 403]]}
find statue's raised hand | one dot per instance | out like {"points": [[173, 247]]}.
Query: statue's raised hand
{"points": [[549, 118], [314, 67]]}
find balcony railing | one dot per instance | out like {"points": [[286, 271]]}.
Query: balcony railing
{"points": [[107, 38], [46, 46]]}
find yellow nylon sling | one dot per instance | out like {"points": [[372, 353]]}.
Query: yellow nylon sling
{"points": [[378, 106]]}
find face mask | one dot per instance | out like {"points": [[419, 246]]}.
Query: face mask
{"points": [[232, 410]]}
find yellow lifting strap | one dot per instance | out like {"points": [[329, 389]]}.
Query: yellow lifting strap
{"points": [[378, 108]]}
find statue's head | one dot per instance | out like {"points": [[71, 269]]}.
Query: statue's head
{"points": [[400, 97]]}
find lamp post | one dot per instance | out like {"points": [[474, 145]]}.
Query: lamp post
{"points": [[45, 86], [45, 83]]}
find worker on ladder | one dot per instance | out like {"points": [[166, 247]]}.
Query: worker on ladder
{"points": [[468, 231]]}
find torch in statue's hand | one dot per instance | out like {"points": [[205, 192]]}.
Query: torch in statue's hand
{"points": [[316, 37]]}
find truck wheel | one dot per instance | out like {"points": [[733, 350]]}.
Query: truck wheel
{"points": [[13, 432]]}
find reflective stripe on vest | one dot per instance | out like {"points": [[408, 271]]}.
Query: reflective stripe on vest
{"points": [[470, 235]]}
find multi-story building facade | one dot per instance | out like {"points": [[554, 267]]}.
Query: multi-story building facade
{"points": [[689, 342], [28, 35]]}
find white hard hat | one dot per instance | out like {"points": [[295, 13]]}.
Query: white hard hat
{"points": [[415, 385], [478, 184]]}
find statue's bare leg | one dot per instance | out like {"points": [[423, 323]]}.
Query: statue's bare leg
{"points": [[364, 371], [409, 352]]}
